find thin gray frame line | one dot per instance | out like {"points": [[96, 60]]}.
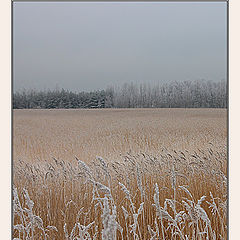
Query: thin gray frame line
{"points": [[227, 75], [180, 1]]}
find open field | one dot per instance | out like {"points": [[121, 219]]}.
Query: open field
{"points": [[42, 134], [132, 173]]}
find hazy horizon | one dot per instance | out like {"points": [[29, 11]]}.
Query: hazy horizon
{"points": [[116, 87], [83, 46]]}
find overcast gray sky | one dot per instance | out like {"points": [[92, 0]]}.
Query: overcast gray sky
{"points": [[89, 46]]}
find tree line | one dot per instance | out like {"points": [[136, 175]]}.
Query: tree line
{"points": [[187, 94]]}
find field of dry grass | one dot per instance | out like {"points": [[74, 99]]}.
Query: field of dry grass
{"points": [[161, 174], [43, 134]]}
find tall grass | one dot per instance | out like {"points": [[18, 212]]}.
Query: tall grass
{"points": [[181, 195], [162, 174]]}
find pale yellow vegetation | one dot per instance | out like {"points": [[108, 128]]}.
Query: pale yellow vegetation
{"points": [[154, 169]]}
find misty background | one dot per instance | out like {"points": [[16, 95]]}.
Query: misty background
{"points": [[83, 46]]}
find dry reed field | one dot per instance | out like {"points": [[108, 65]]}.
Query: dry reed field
{"points": [[120, 174]]}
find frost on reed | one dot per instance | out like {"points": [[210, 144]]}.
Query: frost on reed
{"points": [[179, 195], [30, 225]]}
